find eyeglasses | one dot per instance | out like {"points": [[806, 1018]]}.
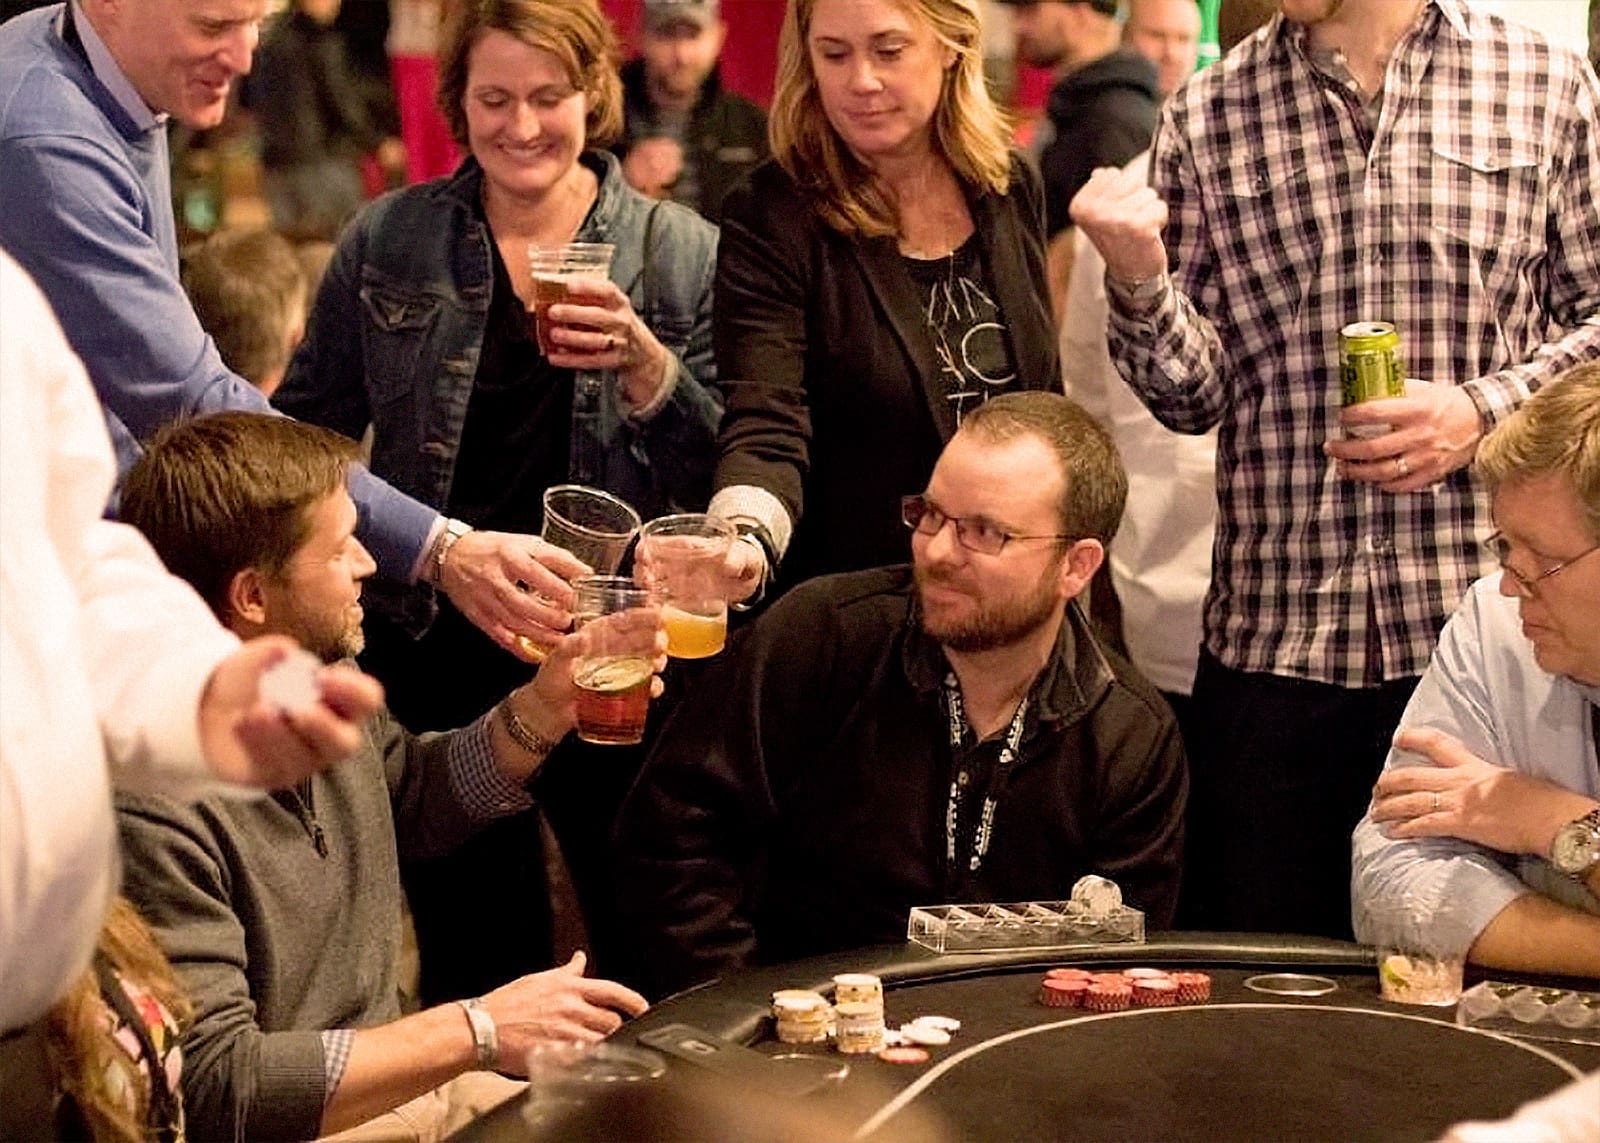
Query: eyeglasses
{"points": [[974, 533], [1500, 548]]}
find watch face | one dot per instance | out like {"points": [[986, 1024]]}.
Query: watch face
{"points": [[1575, 848]]}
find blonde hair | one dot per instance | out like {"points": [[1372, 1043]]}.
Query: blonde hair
{"points": [[1556, 432], [969, 132], [576, 32], [82, 1052]]}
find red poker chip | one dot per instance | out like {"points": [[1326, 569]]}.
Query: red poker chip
{"points": [[1107, 978], [1068, 974], [906, 1055], [1108, 997], [1062, 993], [1154, 992], [1193, 987]]}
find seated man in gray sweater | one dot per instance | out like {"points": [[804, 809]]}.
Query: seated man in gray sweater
{"points": [[282, 915]]}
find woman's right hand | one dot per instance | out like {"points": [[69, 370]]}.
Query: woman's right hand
{"points": [[509, 584]]}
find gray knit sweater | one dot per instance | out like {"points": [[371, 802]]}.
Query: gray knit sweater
{"points": [[276, 938]]}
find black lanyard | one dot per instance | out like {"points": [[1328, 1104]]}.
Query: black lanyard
{"points": [[984, 833], [164, 1116]]}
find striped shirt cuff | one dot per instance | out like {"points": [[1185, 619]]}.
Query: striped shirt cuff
{"points": [[746, 501], [485, 793], [336, 1046]]}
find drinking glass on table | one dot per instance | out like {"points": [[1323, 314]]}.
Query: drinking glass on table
{"points": [[593, 525], [618, 620], [1418, 961], [682, 557], [554, 268]]}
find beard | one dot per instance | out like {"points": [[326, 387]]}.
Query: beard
{"points": [[990, 623], [335, 639]]}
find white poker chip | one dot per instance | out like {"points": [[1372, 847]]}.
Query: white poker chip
{"points": [[943, 1023], [290, 684], [1099, 896], [925, 1035], [893, 1037]]}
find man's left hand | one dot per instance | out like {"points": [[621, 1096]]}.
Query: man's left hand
{"points": [[1432, 431], [1463, 796]]}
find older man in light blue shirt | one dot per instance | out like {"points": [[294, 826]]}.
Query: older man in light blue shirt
{"points": [[1484, 828]]}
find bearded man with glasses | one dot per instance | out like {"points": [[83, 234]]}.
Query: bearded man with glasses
{"points": [[1486, 819], [951, 731]]}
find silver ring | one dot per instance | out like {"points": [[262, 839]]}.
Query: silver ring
{"points": [[611, 342], [1405, 468], [1436, 801]]}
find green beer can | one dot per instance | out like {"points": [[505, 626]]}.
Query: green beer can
{"points": [[1369, 362]]}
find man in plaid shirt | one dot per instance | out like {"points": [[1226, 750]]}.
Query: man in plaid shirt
{"points": [[1411, 161]]}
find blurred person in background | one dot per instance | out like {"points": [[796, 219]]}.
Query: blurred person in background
{"points": [[1102, 109], [882, 275], [422, 330], [1167, 33], [249, 291], [685, 136], [315, 122]]}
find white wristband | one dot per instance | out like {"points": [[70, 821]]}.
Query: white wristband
{"points": [[485, 1037]]}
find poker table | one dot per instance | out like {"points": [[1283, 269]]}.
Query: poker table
{"points": [[1345, 1066]]}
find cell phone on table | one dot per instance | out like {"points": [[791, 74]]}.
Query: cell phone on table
{"points": [[732, 1062]]}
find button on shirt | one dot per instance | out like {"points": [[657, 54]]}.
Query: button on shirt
{"points": [[1467, 213]]}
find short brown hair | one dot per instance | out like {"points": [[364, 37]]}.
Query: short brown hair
{"points": [[230, 491], [576, 32], [249, 292], [1096, 483], [968, 130], [1556, 432]]}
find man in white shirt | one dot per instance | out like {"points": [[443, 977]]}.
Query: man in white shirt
{"points": [[1490, 840]]}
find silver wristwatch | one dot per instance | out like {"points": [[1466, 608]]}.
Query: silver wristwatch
{"points": [[1576, 849]]}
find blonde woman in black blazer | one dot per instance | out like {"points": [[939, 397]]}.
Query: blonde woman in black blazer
{"points": [[884, 272]]}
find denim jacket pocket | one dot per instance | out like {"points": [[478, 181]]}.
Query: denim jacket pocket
{"points": [[396, 328]]}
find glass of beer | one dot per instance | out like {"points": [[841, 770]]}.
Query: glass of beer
{"points": [[554, 267], [618, 620], [593, 525], [682, 557]]}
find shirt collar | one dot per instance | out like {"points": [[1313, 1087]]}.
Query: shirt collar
{"points": [[109, 74], [1452, 10]]}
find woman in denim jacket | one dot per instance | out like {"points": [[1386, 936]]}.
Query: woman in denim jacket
{"points": [[421, 332]]}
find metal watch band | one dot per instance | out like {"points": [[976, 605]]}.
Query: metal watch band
{"points": [[485, 1037], [521, 733], [1591, 822], [453, 531]]}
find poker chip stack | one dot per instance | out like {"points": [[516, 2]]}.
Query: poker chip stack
{"points": [[1064, 988], [858, 1013], [1108, 992], [1193, 987], [803, 1016]]}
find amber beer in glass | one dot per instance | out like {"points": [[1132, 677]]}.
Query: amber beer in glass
{"points": [[619, 621], [554, 267], [684, 555]]}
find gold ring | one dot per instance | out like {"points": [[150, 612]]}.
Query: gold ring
{"points": [[611, 342], [1436, 801]]}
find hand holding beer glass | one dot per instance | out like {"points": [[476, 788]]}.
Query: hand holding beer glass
{"points": [[592, 525], [682, 557], [583, 320], [619, 625]]}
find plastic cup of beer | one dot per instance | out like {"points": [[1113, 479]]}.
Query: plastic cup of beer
{"points": [[593, 525], [685, 554], [554, 269], [618, 620]]}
